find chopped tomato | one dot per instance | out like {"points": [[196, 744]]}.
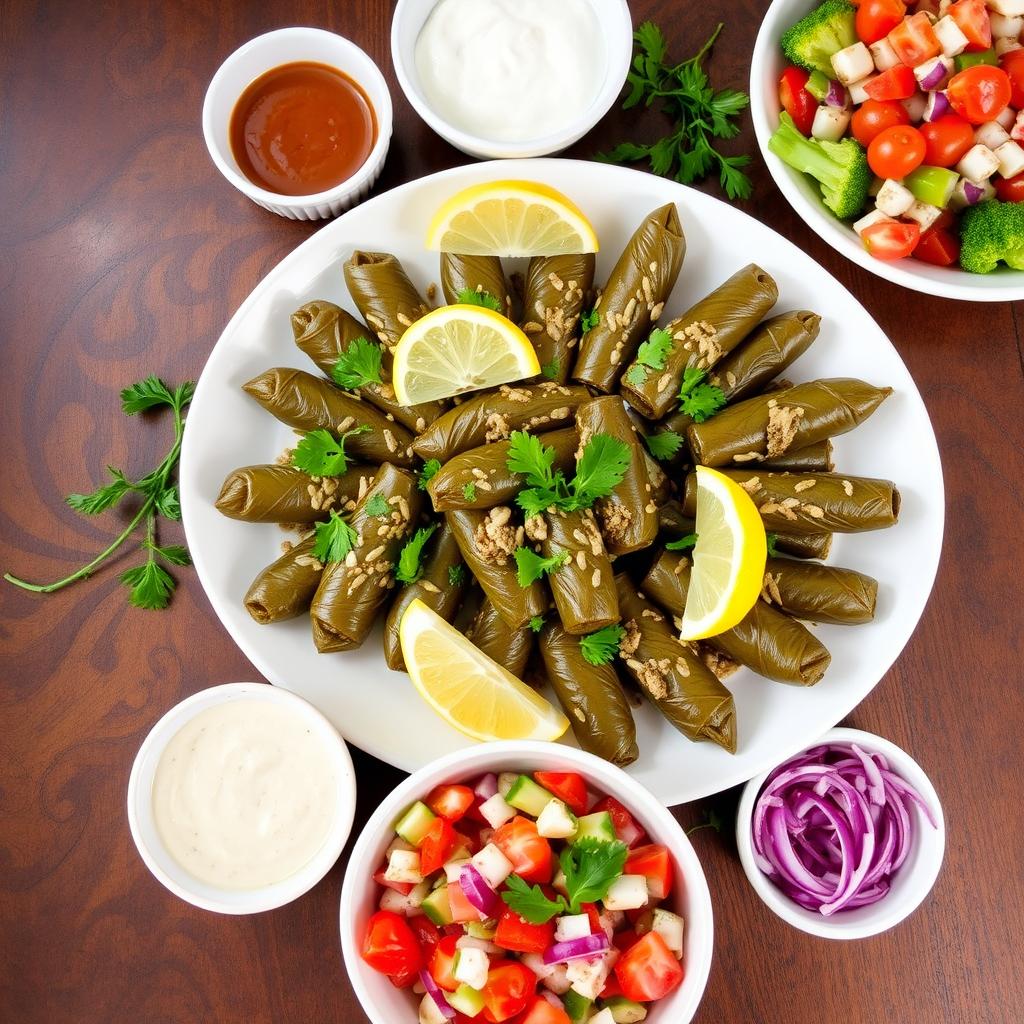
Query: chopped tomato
{"points": [[611, 987], [796, 100], [389, 945], [896, 152], [462, 910], [914, 41], [980, 94], [529, 852], [508, 991], [655, 864], [891, 240], [427, 933], [404, 978], [648, 970], [451, 802], [971, 17], [468, 834], [946, 140], [1013, 64], [402, 887], [442, 963], [939, 247], [517, 934], [593, 916], [625, 827], [540, 1011], [1010, 190], [897, 83], [624, 939], [877, 18], [873, 116], [437, 846], [567, 786]]}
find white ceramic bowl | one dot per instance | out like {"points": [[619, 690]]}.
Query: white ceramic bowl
{"points": [[271, 50], [910, 885], [167, 870], [766, 67], [617, 32], [384, 1004]]}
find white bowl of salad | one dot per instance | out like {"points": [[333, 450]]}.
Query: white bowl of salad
{"points": [[896, 130], [525, 881]]}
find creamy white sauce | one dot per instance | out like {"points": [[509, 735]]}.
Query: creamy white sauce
{"points": [[245, 794], [511, 70]]}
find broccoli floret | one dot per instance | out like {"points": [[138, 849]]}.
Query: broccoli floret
{"points": [[992, 232], [826, 30], [841, 168]]}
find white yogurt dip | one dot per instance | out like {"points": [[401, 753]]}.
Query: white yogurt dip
{"points": [[511, 70], [245, 794]]}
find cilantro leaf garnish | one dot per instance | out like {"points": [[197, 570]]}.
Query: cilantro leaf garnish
{"points": [[697, 399], [430, 469], [145, 394], [664, 444], [320, 453], [772, 540], [601, 468], [472, 297], [590, 866], [529, 902], [151, 585], [537, 623], [410, 559], [359, 365], [682, 544], [601, 647], [456, 575], [469, 492], [377, 506], [549, 371], [531, 567], [651, 355], [588, 321], [334, 539]]}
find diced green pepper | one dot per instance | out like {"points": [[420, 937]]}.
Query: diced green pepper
{"points": [[932, 185], [970, 60], [818, 85]]}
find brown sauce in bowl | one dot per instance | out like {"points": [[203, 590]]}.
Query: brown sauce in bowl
{"points": [[302, 128]]}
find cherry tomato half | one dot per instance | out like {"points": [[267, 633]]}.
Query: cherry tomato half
{"points": [[914, 40], [939, 247], [972, 18], [874, 116], [509, 989], [796, 100], [877, 18], [389, 945], [892, 239], [1010, 190], [897, 83], [946, 140], [980, 94], [1013, 64], [896, 152]]}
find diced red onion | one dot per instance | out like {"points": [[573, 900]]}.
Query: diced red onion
{"points": [[832, 826], [935, 77], [837, 95], [972, 192], [576, 949], [478, 892], [549, 997], [937, 106], [435, 993], [487, 786]]}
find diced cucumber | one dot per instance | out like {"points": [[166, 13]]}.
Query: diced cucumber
{"points": [[404, 866], [625, 1011], [505, 781], [818, 85], [394, 901], [415, 823], [627, 892], [595, 826], [481, 929], [492, 864], [468, 1001], [419, 894], [576, 1006], [437, 908], [430, 1012], [588, 977], [526, 796], [670, 927], [571, 926], [556, 821], [470, 967]]}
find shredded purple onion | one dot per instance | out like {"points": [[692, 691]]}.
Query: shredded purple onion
{"points": [[478, 892], [832, 826], [575, 949], [435, 993], [487, 786]]}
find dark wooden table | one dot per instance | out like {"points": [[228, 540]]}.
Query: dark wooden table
{"points": [[123, 252]]}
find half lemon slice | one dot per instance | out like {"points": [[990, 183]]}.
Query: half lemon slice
{"points": [[460, 348], [728, 558], [466, 688], [511, 218]]}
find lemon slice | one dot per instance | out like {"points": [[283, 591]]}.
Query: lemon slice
{"points": [[460, 348], [728, 558], [466, 688], [510, 218]]}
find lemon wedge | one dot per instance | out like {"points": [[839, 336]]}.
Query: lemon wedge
{"points": [[510, 218], [728, 558], [466, 688], [460, 348]]}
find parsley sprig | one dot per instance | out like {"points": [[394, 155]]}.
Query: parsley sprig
{"points": [[150, 584], [697, 399], [601, 647], [334, 539], [531, 567], [410, 559], [683, 543], [430, 469], [359, 365], [664, 444], [472, 297], [589, 320], [320, 453], [650, 356], [699, 115]]}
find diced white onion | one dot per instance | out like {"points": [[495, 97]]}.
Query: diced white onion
{"points": [[496, 811], [492, 864], [1011, 159], [1004, 27], [867, 221], [884, 55], [925, 214], [894, 199], [1006, 46], [852, 63], [915, 106], [627, 892], [858, 94], [979, 163], [991, 134], [830, 123], [1007, 8], [1006, 118], [951, 37], [1017, 131]]}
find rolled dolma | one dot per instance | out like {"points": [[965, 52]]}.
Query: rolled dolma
{"points": [[480, 478], [672, 674], [700, 338], [493, 416], [815, 458], [800, 503], [767, 426], [385, 297], [283, 494], [770, 643], [633, 299], [591, 697], [440, 587], [806, 545], [488, 541], [510, 648], [286, 587], [475, 274], [584, 586], [352, 591], [324, 332], [555, 292], [310, 403], [629, 515], [820, 593]]}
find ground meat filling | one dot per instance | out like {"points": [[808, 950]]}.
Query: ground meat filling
{"points": [[496, 537]]}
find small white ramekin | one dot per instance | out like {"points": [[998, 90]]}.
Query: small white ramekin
{"points": [[384, 1004], [910, 885], [147, 838], [271, 50], [617, 32]]}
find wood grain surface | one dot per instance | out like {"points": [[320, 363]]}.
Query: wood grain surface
{"points": [[123, 252]]}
